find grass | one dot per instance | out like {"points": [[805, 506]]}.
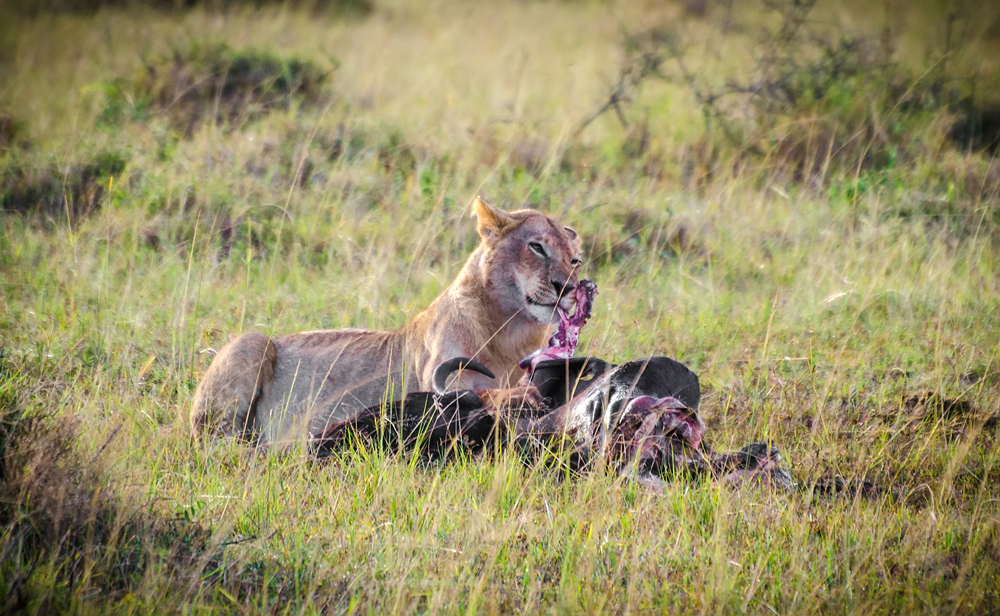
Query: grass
{"points": [[812, 314]]}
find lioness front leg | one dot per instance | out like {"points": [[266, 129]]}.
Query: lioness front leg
{"points": [[225, 398]]}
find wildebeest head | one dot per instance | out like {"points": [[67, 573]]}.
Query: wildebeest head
{"points": [[591, 397]]}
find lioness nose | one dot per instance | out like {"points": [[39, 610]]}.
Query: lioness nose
{"points": [[563, 288]]}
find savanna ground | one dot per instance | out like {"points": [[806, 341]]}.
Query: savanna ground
{"points": [[801, 205]]}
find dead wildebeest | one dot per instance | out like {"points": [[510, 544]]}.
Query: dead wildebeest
{"points": [[640, 416]]}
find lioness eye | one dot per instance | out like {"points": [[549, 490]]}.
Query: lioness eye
{"points": [[537, 248]]}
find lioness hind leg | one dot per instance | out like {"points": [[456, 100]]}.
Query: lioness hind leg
{"points": [[225, 398]]}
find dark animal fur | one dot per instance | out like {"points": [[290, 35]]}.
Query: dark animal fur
{"points": [[590, 411]]}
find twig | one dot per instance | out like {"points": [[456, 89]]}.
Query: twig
{"points": [[113, 434], [631, 77], [237, 540]]}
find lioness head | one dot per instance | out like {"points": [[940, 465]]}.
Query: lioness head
{"points": [[531, 261]]}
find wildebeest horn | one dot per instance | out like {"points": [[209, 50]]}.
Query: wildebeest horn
{"points": [[445, 368]]}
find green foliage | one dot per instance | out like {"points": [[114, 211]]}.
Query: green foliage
{"points": [[74, 190], [122, 105], [11, 131], [234, 86], [814, 102]]}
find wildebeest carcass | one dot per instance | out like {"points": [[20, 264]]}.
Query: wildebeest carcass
{"points": [[641, 417]]}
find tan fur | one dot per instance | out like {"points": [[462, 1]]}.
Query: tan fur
{"points": [[498, 309]]}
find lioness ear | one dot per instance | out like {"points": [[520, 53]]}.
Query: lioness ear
{"points": [[492, 223]]}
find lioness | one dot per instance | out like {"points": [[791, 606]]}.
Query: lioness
{"points": [[276, 390]]}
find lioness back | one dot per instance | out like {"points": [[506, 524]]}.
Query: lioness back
{"points": [[497, 310]]}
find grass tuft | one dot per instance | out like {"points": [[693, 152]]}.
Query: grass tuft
{"points": [[68, 192], [216, 83]]}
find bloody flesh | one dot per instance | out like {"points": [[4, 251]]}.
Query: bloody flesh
{"points": [[563, 342]]}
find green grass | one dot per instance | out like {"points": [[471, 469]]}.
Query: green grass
{"points": [[811, 314]]}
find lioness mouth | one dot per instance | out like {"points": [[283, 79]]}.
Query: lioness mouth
{"points": [[563, 342], [536, 303]]}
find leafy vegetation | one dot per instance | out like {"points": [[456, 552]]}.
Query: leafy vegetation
{"points": [[73, 191], [846, 312], [212, 80]]}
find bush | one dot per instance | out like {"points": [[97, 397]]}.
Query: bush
{"points": [[75, 190], [815, 101], [213, 81], [10, 132]]}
